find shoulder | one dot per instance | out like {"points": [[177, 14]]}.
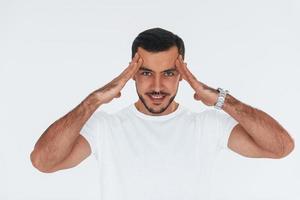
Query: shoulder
{"points": [[120, 116], [98, 117], [100, 114], [212, 115], [207, 114]]}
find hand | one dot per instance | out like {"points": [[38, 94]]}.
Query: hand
{"points": [[113, 89], [203, 93]]}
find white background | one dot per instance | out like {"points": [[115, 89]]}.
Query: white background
{"points": [[54, 53]]}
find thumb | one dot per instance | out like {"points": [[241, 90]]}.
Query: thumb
{"points": [[196, 96], [118, 95]]}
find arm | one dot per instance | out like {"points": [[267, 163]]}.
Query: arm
{"points": [[256, 135], [57, 142], [61, 145]]}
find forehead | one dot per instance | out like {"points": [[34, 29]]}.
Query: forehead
{"points": [[159, 61]]}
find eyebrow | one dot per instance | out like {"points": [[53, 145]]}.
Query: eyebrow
{"points": [[144, 68]]}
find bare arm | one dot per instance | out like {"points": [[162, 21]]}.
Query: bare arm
{"points": [[56, 143], [256, 135], [269, 137], [61, 145]]}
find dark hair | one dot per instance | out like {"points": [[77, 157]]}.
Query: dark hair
{"points": [[156, 40]]}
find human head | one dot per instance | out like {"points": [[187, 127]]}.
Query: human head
{"points": [[159, 50], [156, 40]]}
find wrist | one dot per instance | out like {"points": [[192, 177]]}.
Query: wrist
{"points": [[207, 95], [92, 102], [222, 94]]}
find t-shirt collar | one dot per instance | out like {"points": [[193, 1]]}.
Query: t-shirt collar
{"points": [[178, 110]]}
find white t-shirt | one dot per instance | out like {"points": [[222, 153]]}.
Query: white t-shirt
{"points": [[169, 157]]}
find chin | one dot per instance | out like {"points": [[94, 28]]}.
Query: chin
{"points": [[157, 109], [156, 106]]}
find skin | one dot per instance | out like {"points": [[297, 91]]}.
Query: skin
{"points": [[61, 146], [257, 134], [158, 74]]}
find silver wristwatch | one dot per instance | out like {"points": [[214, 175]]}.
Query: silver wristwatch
{"points": [[221, 98]]}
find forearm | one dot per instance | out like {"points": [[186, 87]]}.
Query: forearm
{"points": [[57, 141], [264, 130]]}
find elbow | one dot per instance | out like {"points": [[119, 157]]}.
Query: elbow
{"points": [[36, 162], [288, 147]]}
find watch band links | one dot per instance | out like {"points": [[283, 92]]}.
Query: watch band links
{"points": [[221, 98]]}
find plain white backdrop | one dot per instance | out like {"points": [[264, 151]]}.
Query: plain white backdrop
{"points": [[54, 53]]}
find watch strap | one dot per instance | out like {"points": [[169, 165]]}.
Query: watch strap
{"points": [[221, 98]]}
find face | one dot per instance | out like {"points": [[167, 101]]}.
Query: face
{"points": [[157, 82]]}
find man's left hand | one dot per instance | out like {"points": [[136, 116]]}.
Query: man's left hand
{"points": [[203, 92]]}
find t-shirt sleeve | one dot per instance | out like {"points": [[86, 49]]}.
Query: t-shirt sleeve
{"points": [[225, 125], [93, 131], [218, 126]]}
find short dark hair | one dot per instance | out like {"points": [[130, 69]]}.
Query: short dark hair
{"points": [[156, 40]]}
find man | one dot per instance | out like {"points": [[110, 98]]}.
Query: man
{"points": [[156, 148]]}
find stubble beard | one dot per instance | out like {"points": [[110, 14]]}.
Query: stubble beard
{"points": [[151, 110]]}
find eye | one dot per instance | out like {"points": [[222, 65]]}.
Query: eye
{"points": [[145, 73], [169, 73]]}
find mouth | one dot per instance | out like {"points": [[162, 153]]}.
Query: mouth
{"points": [[156, 98]]}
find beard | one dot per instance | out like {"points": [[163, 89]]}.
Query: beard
{"points": [[151, 110]]}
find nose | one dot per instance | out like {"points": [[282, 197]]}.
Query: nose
{"points": [[158, 84]]}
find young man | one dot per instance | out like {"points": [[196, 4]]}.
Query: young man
{"points": [[156, 148]]}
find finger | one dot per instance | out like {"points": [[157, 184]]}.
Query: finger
{"points": [[187, 75], [179, 69], [133, 69], [133, 60], [185, 70], [130, 71], [179, 65]]}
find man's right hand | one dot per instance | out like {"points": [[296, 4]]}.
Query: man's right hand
{"points": [[113, 89], [61, 146]]}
